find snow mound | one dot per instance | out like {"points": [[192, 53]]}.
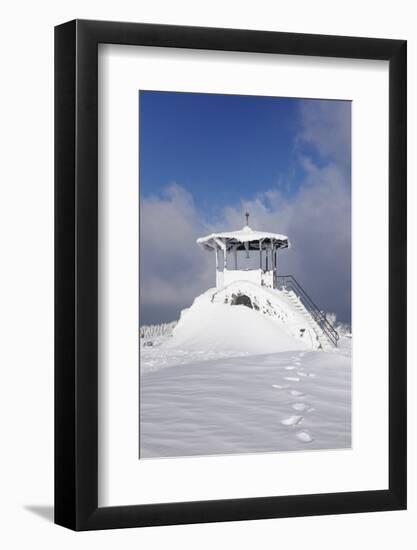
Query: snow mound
{"points": [[242, 317]]}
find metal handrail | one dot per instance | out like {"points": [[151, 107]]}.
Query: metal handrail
{"points": [[315, 312]]}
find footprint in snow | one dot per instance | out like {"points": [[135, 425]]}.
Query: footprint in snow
{"points": [[296, 393], [291, 378], [305, 437], [292, 420], [305, 374], [299, 406]]}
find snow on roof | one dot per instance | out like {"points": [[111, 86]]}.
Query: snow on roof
{"points": [[242, 236]]}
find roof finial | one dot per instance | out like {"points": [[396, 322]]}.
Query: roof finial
{"points": [[247, 218]]}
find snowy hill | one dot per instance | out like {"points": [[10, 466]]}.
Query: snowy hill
{"points": [[246, 369], [246, 317]]}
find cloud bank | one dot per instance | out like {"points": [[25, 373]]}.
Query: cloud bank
{"points": [[317, 220]]}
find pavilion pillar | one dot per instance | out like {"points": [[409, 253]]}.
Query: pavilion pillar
{"points": [[260, 253], [275, 281], [223, 247], [235, 255], [247, 249]]}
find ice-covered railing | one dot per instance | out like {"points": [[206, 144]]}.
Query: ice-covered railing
{"points": [[288, 282], [154, 331]]}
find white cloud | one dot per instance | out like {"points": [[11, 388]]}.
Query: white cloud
{"points": [[173, 269], [326, 126]]}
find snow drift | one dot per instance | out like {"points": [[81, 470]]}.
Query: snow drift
{"points": [[244, 317]]}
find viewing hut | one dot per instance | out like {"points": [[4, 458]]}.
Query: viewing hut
{"points": [[230, 266]]}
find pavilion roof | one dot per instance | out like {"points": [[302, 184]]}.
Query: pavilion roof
{"points": [[241, 237]]}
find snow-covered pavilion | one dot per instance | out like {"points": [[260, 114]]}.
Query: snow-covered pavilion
{"points": [[226, 246]]}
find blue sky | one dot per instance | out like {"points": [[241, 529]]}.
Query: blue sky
{"points": [[205, 159], [219, 147]]}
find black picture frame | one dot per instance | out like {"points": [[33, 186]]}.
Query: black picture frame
{"points": [[76, 272]]}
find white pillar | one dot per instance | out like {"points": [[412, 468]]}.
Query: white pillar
{"points": [[260, 253], [275, 267], [222, 246], [247, 249]]}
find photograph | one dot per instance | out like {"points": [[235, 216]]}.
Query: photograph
{"points": [[208, 233], [245, 328]]}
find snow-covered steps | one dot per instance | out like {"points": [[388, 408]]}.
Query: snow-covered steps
{"points": [[322, 339]]}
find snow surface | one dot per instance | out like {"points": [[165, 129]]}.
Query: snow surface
{"points": [[229, 379], [229, 328], [246, 404], [158, 356]]}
